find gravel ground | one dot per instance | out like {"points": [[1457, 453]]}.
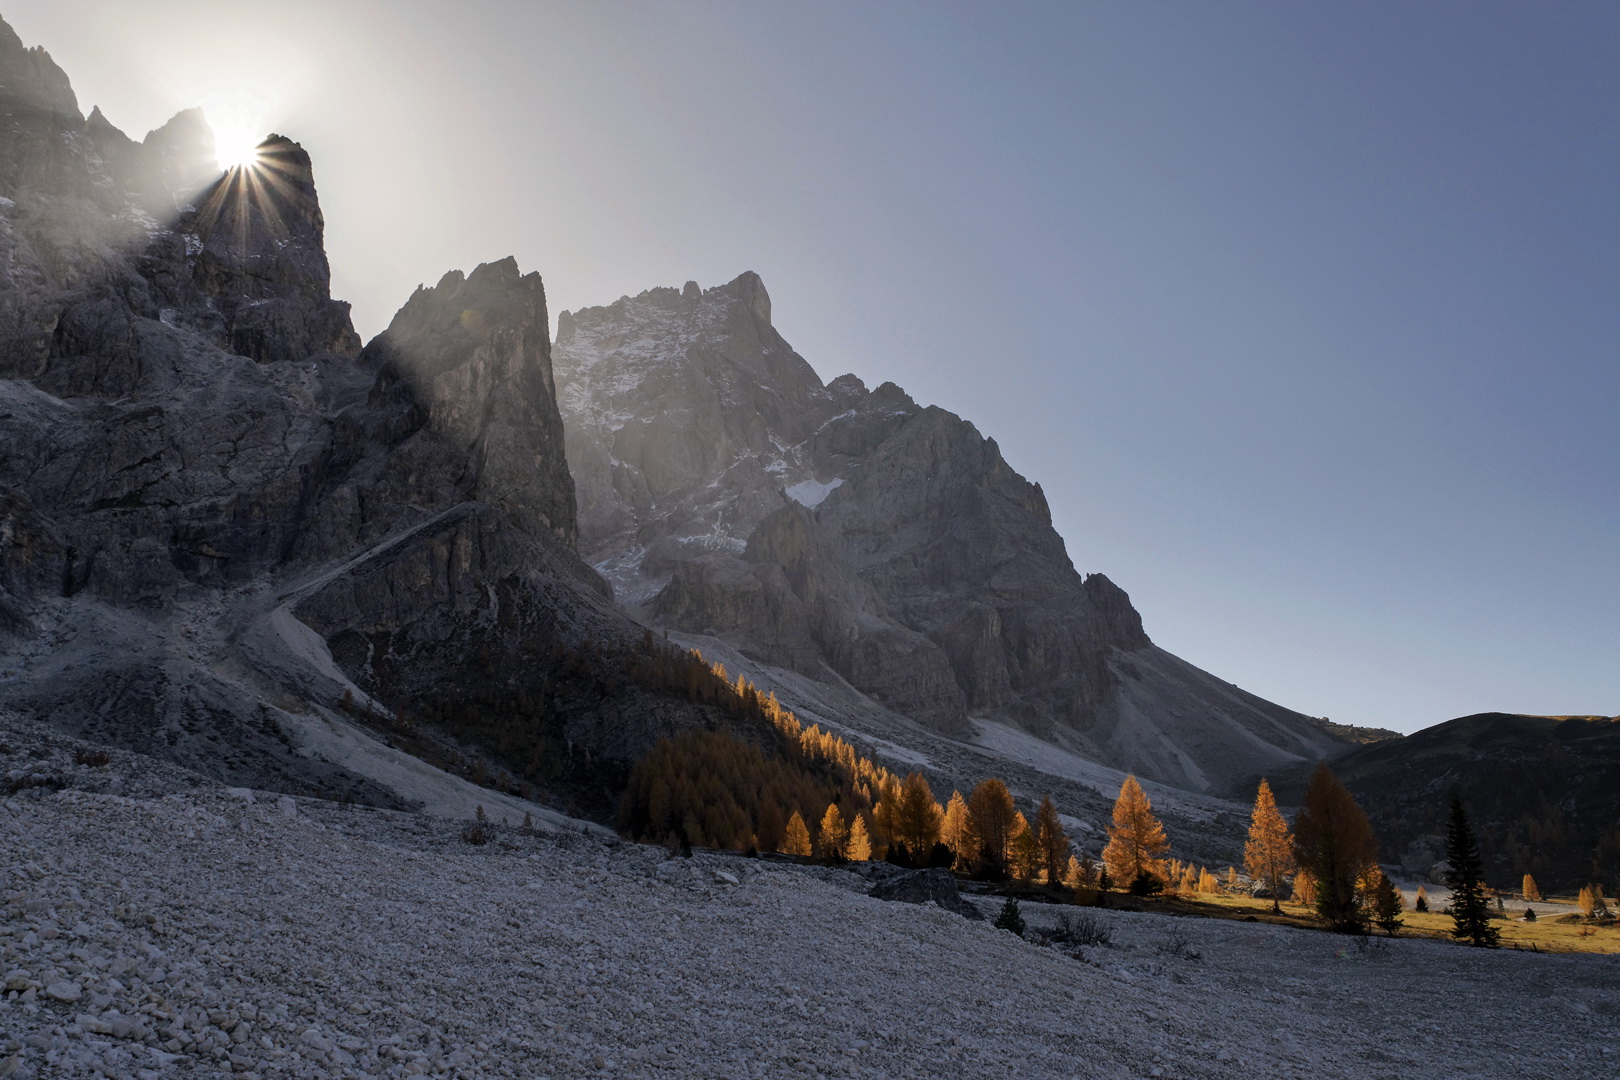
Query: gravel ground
{"points": [[200, 933]]}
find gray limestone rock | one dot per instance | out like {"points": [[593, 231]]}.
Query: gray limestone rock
{"points": [[851, 535], [935, 885], [223, 525]]}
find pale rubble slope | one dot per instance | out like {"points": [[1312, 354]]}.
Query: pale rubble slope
{"points": [[199, 934]]}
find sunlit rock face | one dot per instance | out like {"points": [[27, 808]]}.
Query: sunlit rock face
{"points": [[725, 489], [260, 259], [109, 242], [471, 359], [219, 517], [847, 533]]}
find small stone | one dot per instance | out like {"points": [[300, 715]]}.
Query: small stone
{"points": [[724, 878], [287, 806], [64, 991], [315, 1040]]}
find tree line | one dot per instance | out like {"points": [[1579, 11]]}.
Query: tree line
{"points": [[808, 793]]}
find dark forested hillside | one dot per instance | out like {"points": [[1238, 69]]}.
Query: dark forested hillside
{"points": [[1543, 793]]}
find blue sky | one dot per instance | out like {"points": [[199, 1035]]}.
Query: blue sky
{"points": [[1304, 316]]}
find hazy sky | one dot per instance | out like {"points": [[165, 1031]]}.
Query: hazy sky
{"points": [[1304, 315]]}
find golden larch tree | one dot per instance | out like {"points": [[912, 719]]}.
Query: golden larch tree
{"points": [[1208, 883], [796, 840], [1073, 876], [884, 809], [956, 831], [771, 826], [1531, 891], [859, 848], [833, 838], [1022, 851], [1269, 854], [1051, 842], [1592, 902], [1136, 841], [1304, 893], [917, 818], [1333, 839], [991, 810]]}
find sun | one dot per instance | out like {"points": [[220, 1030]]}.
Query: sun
{"points": [[239, 113], [236, 149]]}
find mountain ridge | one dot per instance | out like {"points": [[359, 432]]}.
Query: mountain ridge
{"points": [[228, 531], [854, 534]]}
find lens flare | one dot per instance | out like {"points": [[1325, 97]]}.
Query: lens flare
{"points": [[240, 115]]}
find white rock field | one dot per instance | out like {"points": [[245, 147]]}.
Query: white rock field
{"points": [[201, 934]]}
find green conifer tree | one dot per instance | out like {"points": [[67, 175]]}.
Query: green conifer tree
{"points": [[1468, 908], [1386, 905], [1011, 918]]}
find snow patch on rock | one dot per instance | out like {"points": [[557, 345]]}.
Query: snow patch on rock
{"points": [[811, 493]]}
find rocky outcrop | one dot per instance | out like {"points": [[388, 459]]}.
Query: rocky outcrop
{"points": [[796, 601], [223, 525], [935, 886], [663, 395], [261, 260], [465, 368], [850, 534], [107, 245]]}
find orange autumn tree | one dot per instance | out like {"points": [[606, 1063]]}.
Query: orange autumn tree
{"points": [[1137, 845], [1529, 888], [917, 818], [796, 841], [1022, 854], [1333, 839], [992, 811], [834, 835], [1269, 854], [859, 848], [956, 831], [1051, 843], [1304, 893]]}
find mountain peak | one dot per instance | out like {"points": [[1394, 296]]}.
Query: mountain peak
{"points": [[750, 289]]}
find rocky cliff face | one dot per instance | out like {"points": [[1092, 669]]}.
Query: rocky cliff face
{"points": [[850, 534], [223, 523]]}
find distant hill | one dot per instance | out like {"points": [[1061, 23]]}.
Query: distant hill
{"points": [[1543, 792]]}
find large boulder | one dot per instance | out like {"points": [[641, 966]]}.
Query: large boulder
{"points": [[934, 885]]}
